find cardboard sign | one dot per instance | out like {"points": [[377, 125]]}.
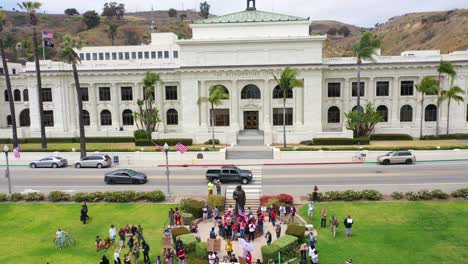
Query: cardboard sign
{"points": [[167, 242], [242, 260], [214, 245]]}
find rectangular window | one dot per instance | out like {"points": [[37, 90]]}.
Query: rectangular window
{"points": [[140, 55], [1, 70], [46, 95], [354, 89], [107, 56], [382, 88], [104, 94], [221, 117], [14, 71], [114, 55], [171, 92], [49, 118], [134, 55], [126, 93], [175, 54], [127, 55], [406, 88], [101, 56], [334, 89], [146, 54], [160, 53], [94, 56], [278, 116], [88, 56], [82, 56], [121, 56], [153, 54], [166, 54], [84, 94]]}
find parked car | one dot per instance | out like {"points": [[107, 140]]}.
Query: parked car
{"points": [[94, 161], [125, 176], [229, 174], [395, 157], [49, 162]]}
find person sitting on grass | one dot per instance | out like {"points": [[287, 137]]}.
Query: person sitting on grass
{"points": [[99, 244]]}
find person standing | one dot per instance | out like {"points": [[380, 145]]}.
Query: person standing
{"points": [[218, 187], [171, 218], [205, 212], [104, 260], [59, 237], [122, 236], [315, 257], [83, 215], [181, 255], [210, 188], [323, 222], [136, 254], [229, 248], [248, 258], [260, 221], [268, 238], [312, 240], [211, 258], [146, 249], [333, 224], [178, 217], [310, 212], [251, 231], [278, 231], [292, 213], [242, 227], [273, 217], [348, 223], [117, 256], [315, 194], [282, 211], [127, 259], [112, 234]]}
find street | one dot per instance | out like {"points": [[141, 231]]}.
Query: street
{"points": [[296, 180]]}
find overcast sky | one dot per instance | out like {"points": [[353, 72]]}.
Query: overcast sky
{"points": [[357, 12]]}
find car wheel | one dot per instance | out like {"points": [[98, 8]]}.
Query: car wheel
{"points": [[409, 161], [77, 165], [245, 180], [386, 162], [110, 181], [99, 165], [33, 165], [54, 165]]}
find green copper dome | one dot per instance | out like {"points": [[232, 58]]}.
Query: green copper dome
{"points": [[250, 16]]}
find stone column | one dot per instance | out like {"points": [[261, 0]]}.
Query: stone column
{"points": [[395, 116], [203, 108], [299, 106], [115, 101], [93, 110], [234, 98], [370, 93], [137, 91], [160, 105], [267, 96], [346, 95], [71, 120]]}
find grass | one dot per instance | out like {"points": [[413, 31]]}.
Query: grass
{"points": [[395, 232], [28, 230], [90, 147]]}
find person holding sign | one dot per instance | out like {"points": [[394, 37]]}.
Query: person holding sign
{"points": [[348, 223]]}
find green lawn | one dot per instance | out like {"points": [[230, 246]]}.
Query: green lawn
{"points": [[395, 232], [28, 230]]}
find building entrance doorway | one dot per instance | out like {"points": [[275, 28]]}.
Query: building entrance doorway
{"points": [[251, 120]]}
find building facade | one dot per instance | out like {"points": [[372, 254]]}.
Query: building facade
{"points": [[242, 52]]}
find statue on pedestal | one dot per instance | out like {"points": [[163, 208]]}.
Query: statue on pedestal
{"points": [[239, 196]]}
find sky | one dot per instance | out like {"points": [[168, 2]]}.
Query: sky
{"points": [[363, 13]]}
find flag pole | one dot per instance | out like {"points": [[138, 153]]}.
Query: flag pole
{"points": [[43, 46]]}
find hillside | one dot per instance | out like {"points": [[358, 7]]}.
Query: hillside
{"points": [[447, 31]]}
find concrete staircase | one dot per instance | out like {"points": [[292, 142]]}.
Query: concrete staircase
{"points": [[250, 145], [253, 190]]}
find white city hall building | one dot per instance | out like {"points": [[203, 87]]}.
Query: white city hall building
{"points": [[241, 51]]}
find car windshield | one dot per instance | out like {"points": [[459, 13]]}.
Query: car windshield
{"points": [[131, 172]]}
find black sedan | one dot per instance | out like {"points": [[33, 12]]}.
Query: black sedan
{"points": [[125, 176]]}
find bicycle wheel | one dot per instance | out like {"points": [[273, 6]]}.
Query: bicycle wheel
{"points": [[355, 158], [70, 242]]}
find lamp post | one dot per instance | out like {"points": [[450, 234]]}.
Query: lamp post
{"points": [[7, 171], [166, 150]]}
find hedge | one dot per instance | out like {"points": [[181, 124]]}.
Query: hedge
{"points": [[377, 137], [449, 136], [341, 141], [79, 197], [192, 206], [154, 196], [285, 245], [201, 250], [70, 140], [460, 193], [297, 231], [209, 142], [141, 134], [34, 197], [216, 200], [58, 196], [3, 197], [178, 231], [353, 148], [349, 195], [189, 242], [187, 218]]}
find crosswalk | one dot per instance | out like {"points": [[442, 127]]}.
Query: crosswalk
{"points": [[253, 190]]}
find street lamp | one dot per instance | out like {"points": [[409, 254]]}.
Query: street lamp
{"points": [[7, 171], [166, 150]]}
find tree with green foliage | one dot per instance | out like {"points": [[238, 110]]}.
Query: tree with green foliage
{"points": [[204, 10], [344, 30], [91, 19], [364, 49], [6, 73], [68, 53], [183, 17], [149, 117], [30, 7], [286, 83], [112, 30], [217, 94], [71, 12], [366, 120], [454, 93], [172, 12], [444, 68], [427, 86], [113, 10]]}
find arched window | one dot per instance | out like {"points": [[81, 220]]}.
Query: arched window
{"points": [[356, 107], [383, 112], [106, 118], [250, 92], [5, 93], [86, 118], [17, 95], [8, 120], [25, 119], [277, 94], [172, 117], [333, 115], [406, 113], [225, 90], [127, 117], [25, 95], [430, 113]]}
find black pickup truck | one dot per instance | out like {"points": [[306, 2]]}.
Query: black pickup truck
{"points": [[229, 174]]}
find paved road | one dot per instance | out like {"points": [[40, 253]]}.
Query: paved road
{"points": [[297, 180]]}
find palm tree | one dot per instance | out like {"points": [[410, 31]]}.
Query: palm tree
{"points": [[364, 49], [150, 80], [68, 54], [217, 94], [31, 7], [427, 86], [287, 81], [444, 67], [454, 93], [8, 81]]}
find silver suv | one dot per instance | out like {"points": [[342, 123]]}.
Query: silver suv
{"points": [[395, 157], [94, 161]]}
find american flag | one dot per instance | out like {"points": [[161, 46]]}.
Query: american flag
{"points": [[16, 153], [47, 35], [181, 148]]}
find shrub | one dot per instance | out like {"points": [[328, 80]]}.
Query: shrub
{"points": [[121, 196], [377, 137], [424, 195], [187, 218], [397, 195], [449, 136], [3, 197], [209, 142], [88, 197], [271, 251], [192, 206], [282, 198], [141, 134], [297, 231], [286, 245], [412, 196], [350, 195], [333, 196], [201, 250], [58, 196], [275, 202], [189, 242], [460, 193], [216, 200], [179, 230], [372, 195], [341, 141], [307, 142], [361, 141], [154, 196], [161, 142], [16, 197], [34, 196], [439, 194]]}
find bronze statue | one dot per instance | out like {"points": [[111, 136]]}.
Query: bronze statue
{"points": [[239, 196]]}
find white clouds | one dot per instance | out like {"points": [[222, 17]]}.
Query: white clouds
{"points": [[358, 12]]}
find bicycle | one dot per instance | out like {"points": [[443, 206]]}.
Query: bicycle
{"points": [[66, 241], [359, 156]]}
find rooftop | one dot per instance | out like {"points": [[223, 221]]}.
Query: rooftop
{"points": [[250, 16]]}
